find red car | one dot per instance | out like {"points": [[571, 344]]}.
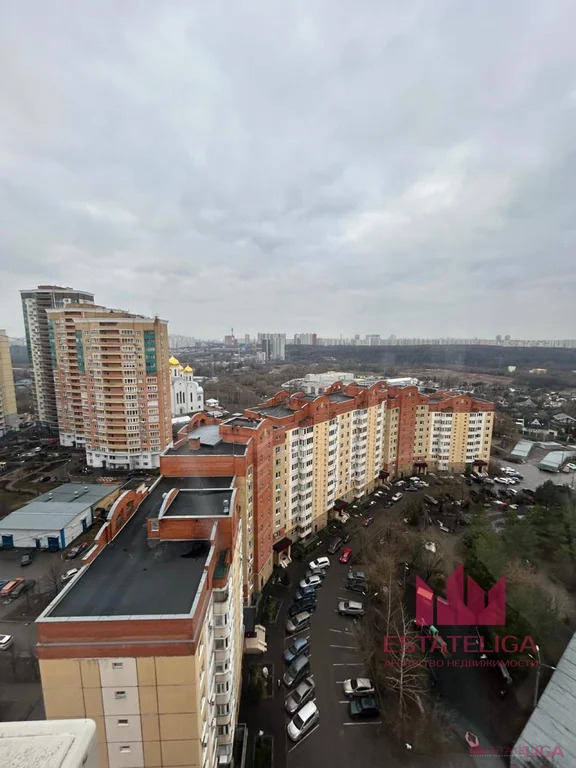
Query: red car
{"points": [[368, 521], [346, 555]]}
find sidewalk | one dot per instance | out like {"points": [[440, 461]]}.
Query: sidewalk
{"points": [[268, 715]]}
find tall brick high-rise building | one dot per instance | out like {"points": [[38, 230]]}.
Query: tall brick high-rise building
{"points": [[112, 384]]}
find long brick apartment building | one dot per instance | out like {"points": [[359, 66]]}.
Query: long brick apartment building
{"points": [[147, 638]]}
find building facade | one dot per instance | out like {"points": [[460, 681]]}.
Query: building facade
{"points": [[273, 345], [186, 394], [112, 387], [147, 639], [35, 304], [8, 410]]}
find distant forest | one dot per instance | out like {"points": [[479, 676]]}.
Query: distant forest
{"points": [[485, 359]]}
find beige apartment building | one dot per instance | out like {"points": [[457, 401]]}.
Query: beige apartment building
{"points": [[35, 303], [112, 385], [147, 638], [8, 410]]}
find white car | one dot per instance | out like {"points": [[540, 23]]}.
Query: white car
{"points": [[311, 581], [358, 686], [5, 642], [320, 562], [303, 721], [69, 575], [503, 480], [396, 497]]}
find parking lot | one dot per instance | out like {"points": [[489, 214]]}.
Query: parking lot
{"points": [[334, 658]]}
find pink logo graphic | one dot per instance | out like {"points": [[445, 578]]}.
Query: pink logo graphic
{"points": [[458, 610]]}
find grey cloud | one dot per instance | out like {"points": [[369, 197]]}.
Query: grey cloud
{"points": [[304, 166]]}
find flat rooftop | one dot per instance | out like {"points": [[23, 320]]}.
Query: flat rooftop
{"points": [[196, 503], [130, 578], [220, 449], [242, 421], [54, 510], [153, 501], [273, 411], [339, 397]]}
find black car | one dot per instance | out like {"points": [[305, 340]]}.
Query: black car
{"points": [[304, 605], [346, 538], [357, 586], [27, 558], [367, 706]]}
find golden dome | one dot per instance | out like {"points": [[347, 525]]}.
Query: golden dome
{"points": [[173, 361], [188, 369]]}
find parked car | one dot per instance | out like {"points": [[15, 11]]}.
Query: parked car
{"points": [[356, 576], [77, 550], [320, 562], [358, 686], [300, 647], [9, 587], [350, 608], [388, 505], [27, 558], [346, 555], [300, 695], [5, 642], [20, 589], [297, 623], [309, 604], [304, 592], [364, 707], [357, 586], [368, 521], [69, 575], [412, 488], [397, 497], [311, 581], [303, 721], [334, 545], [297, 671], [346, 538], [316, 572]]}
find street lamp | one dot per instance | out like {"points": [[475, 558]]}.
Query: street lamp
{"points": [[540, 664]]}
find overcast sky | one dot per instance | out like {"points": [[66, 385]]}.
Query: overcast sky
{"points": [[313, 166]]}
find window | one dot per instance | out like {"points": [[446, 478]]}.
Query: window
{"points": [[123, 721], [117, 665], [222, 709], [125, 750], [223, 730], [120, 695], [221, 643]]}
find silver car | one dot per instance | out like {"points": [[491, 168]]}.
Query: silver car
{"points": [[358, 686], [300, 695], [303, 721], [298, 622], [5, 642], [350, 608]]}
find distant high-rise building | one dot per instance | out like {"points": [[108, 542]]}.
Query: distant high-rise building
{"points": [[112, 384], [34, 305], [306, 338], [8, 411], [247, 338], [273, 344]]}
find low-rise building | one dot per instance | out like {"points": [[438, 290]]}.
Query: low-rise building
{"points": [[55, 519]]}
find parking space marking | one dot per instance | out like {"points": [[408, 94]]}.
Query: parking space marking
{"points": [[303, 740], [347, 647], [341, 631], [344, 701], [349, 664], [372, 722]]}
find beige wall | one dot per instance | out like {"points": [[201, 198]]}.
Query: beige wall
{"points": [[8, 412], [146, 710]]}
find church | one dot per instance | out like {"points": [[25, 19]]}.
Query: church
{"points": [[186, 394]]}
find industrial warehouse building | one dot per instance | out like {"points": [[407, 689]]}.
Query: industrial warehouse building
{"points": [[55, 519]]}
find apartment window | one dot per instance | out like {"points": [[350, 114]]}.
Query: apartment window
{"points": [[125, 750], [223, 730], [117, 665], [222, 687], [221, 643], [123, 721], [222, 709], [120, 694], [220, 619]]}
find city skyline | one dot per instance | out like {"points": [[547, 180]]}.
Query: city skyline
{"points": [[408, 171]]}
